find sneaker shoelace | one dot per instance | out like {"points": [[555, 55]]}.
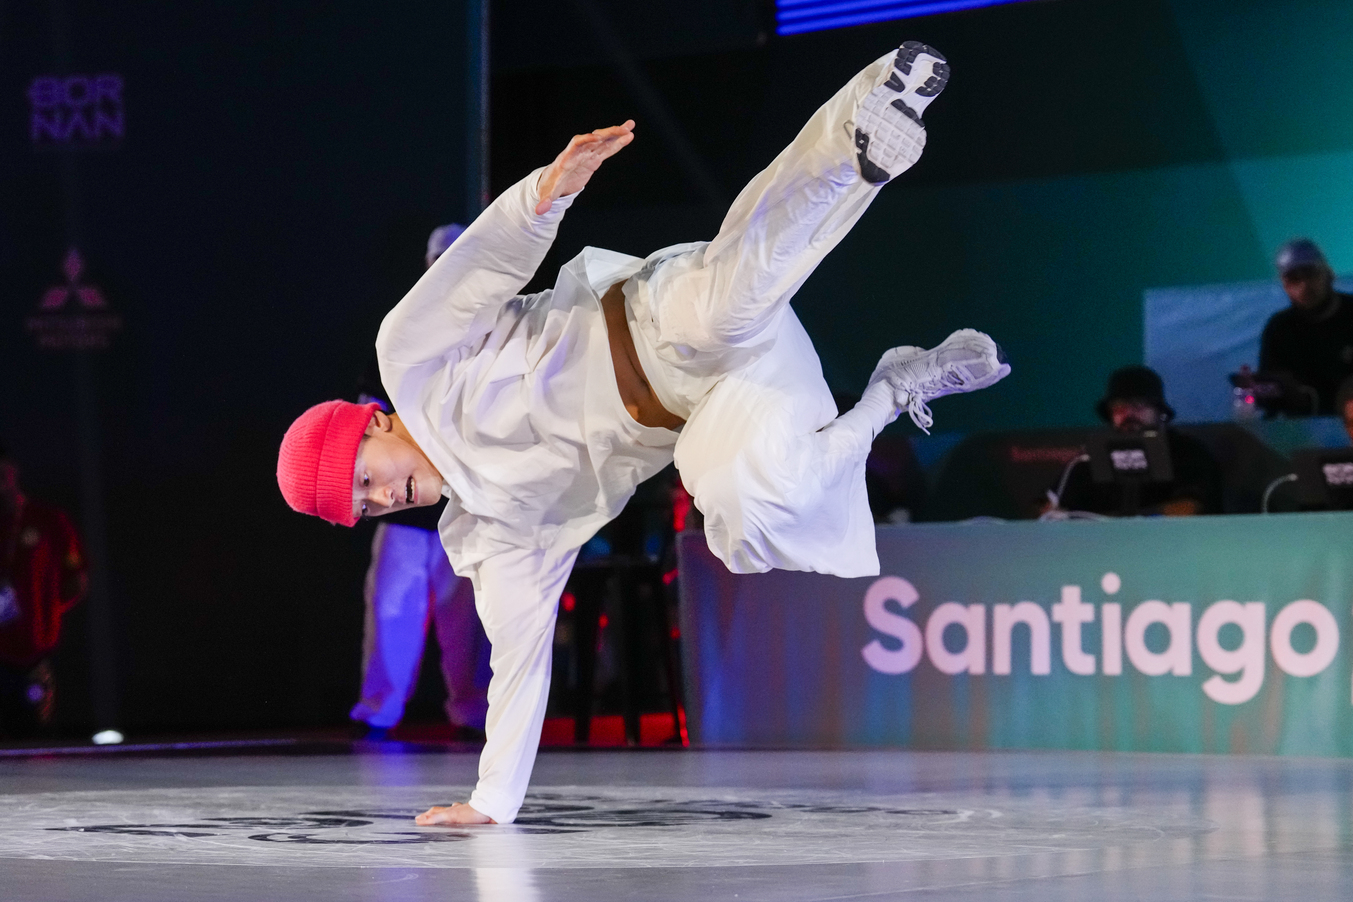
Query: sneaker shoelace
{"points": [[917, 408], [920, 413]]}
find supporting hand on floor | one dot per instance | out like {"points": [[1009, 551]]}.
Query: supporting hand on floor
{"points": [[458, 814]]}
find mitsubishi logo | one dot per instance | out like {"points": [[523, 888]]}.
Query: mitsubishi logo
{"points": [[89, 296], [74, 316]]}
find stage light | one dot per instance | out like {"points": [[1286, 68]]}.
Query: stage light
{"points": [[799, 16], [107, 737]]}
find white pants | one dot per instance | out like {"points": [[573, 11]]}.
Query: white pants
{"points": [[408, 570], [721, 347]]}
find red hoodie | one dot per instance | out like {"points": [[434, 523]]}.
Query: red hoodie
{"points": [[47, 573]]}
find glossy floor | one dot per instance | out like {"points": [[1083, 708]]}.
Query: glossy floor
{"points": [[688, 825]]}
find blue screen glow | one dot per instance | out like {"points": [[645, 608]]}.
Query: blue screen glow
{"points": [[798, 16]]}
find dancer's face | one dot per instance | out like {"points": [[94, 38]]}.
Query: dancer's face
{"points": [[391, 472]]}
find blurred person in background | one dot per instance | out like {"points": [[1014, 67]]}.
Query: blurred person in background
{"points": [[409, 582], [1343, 405], [42, 575], [1133, 403], [1308, 347]]}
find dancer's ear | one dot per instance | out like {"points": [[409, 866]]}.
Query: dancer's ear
{"points": [[380, 422]]}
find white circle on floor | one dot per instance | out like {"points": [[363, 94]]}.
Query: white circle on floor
{"points": [[560, 827]]}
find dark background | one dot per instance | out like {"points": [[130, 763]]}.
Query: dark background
{"points": [[283, 164]]}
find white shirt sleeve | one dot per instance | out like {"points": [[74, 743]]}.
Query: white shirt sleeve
{"points": [[457, 300]]}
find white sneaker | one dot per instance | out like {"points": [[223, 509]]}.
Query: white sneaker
{"points": [[965, 361], [889, 132]]}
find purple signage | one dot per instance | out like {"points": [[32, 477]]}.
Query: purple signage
{"points": [[73, 316], [75, 111]]}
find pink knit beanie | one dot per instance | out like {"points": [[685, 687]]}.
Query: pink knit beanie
{"points": [[319, 452]]}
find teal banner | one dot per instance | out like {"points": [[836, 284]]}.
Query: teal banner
{"points": [[1207, 634]]}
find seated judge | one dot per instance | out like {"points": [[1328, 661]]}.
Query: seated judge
{"points": [[1134, 403], [1308, 346], [1343, 406]]}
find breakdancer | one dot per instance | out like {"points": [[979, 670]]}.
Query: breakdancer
{"points": [[536, 416]]}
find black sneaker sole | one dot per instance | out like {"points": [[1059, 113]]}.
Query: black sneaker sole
{"points": [[868, 171], [902, 63], [907, 54], [939, 75]]}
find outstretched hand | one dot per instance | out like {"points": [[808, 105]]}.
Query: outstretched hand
{"points": [[573, 167]]}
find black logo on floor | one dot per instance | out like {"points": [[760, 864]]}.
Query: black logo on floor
{"points": [[544, 813]]}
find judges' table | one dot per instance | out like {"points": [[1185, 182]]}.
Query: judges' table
{"points": [[1207, 634]]}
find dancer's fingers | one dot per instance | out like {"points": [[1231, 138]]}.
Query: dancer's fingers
{"points": [[459, 813], [626, 128], [613, 143], [434, 815], [575, 165], [603, 142], [607, 140]]}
